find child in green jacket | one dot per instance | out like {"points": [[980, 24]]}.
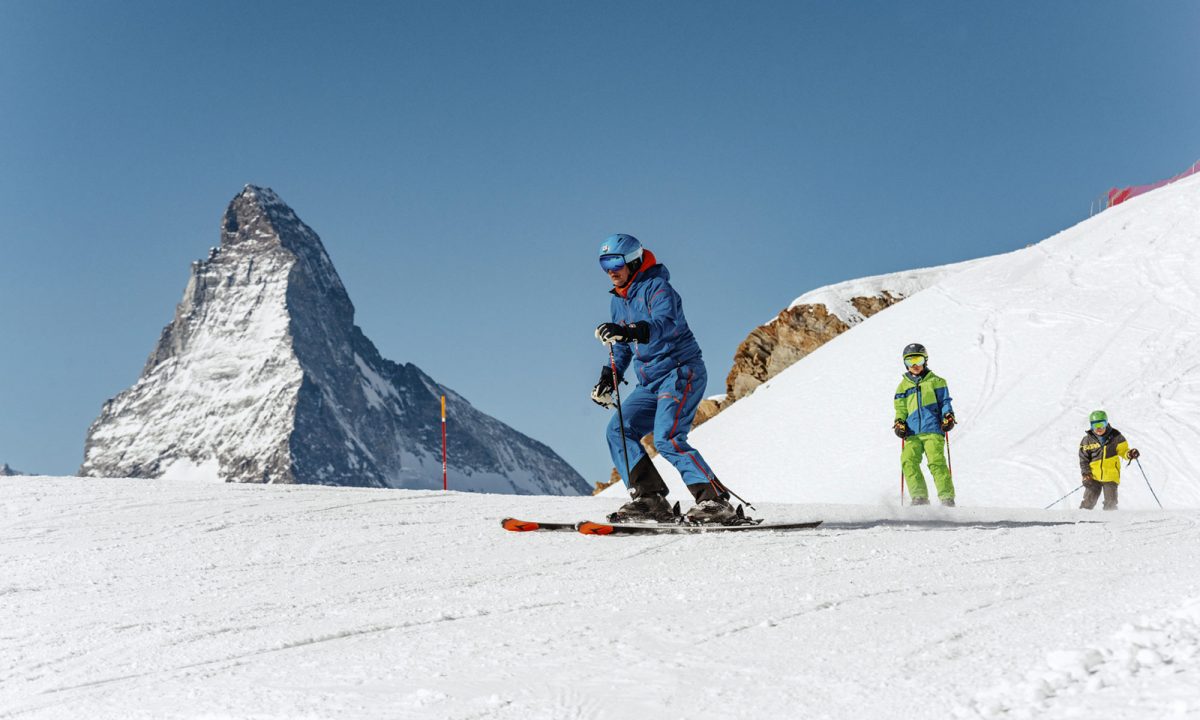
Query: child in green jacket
{"points": [[923, 417]]}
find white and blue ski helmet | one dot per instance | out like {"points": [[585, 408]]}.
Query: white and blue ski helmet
{"points": [[620, 250]]}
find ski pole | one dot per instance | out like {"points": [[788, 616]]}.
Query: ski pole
{"points": [[1064, 497], [1139, 463], [903, 442], [612, 363], [722, 487], [949, 466]]}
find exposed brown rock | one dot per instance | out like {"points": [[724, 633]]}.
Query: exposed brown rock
{"points": [[868, 306], [707, 410], [770, 348], [613, 479], [797, 331]]}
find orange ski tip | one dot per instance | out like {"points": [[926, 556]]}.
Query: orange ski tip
{"points": [[591, 528], [518, 525]]}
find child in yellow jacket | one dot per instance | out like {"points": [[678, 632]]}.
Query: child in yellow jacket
{"points": [[1100, 454]]}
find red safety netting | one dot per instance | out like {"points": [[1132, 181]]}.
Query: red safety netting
{"points": [[1116, 196]]}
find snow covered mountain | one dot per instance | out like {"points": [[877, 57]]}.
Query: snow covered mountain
{"points": [[1101, 316], [263, 377]]}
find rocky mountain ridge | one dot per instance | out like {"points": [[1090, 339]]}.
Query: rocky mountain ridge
{"points": [[262, 376]]}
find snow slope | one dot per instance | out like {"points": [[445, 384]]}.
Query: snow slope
{"points": [[160, 599], [1103, 315]]}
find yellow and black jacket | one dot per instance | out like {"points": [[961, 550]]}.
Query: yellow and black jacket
{"points": [[1100, 455]]}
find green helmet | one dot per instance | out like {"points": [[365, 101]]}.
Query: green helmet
{"points": [[1098, 416]]}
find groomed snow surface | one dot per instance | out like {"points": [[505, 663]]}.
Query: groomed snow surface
{"points": [[160, 599]]}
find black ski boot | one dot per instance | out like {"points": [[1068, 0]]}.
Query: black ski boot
{"points": [[650, 507], [920, 501], [711, 507], [649, 493], [948, 502]]}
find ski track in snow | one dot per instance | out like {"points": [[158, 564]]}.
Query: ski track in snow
{"points": [[153, 599]]}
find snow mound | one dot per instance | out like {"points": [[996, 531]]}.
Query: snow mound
{"points": [[1141, 661]]}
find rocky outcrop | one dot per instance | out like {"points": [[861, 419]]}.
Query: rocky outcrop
{"points": [[812, 320], [708, 408], [263, 377], [795, 332], [7, 471]]}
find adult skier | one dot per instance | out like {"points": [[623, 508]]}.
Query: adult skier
{"points": [[923, 417], [648, 329], [1100, 454]]}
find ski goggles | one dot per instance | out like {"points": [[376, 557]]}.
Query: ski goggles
{"points": [[1099, 424], [910, 360], [610, 263]]}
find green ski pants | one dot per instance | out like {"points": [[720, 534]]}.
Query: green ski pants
{"points": [[933, 446]]}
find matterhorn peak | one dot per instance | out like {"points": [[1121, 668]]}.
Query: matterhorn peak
{"points": [[258, 212], [262, 376]]}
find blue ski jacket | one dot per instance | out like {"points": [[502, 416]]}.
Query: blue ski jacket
{"points": [[650, 298], [923, 401]]}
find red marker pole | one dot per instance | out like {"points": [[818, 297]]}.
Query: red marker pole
{"points": [[445, 484]]}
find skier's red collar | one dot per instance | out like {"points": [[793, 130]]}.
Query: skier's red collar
{"points": [[648, 261]]}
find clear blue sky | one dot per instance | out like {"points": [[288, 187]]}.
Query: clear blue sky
{"points": [[462, 160]]}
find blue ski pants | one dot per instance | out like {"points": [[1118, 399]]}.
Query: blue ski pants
{"points": [[667, 407]]}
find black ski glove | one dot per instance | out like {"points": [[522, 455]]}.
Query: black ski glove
{"points": [[602, 392], [900, 428], [1133, 454], [948, 422], [609, 333]]}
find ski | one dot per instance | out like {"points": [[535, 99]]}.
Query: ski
{"points": [[516, 525], [594, 528]]}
